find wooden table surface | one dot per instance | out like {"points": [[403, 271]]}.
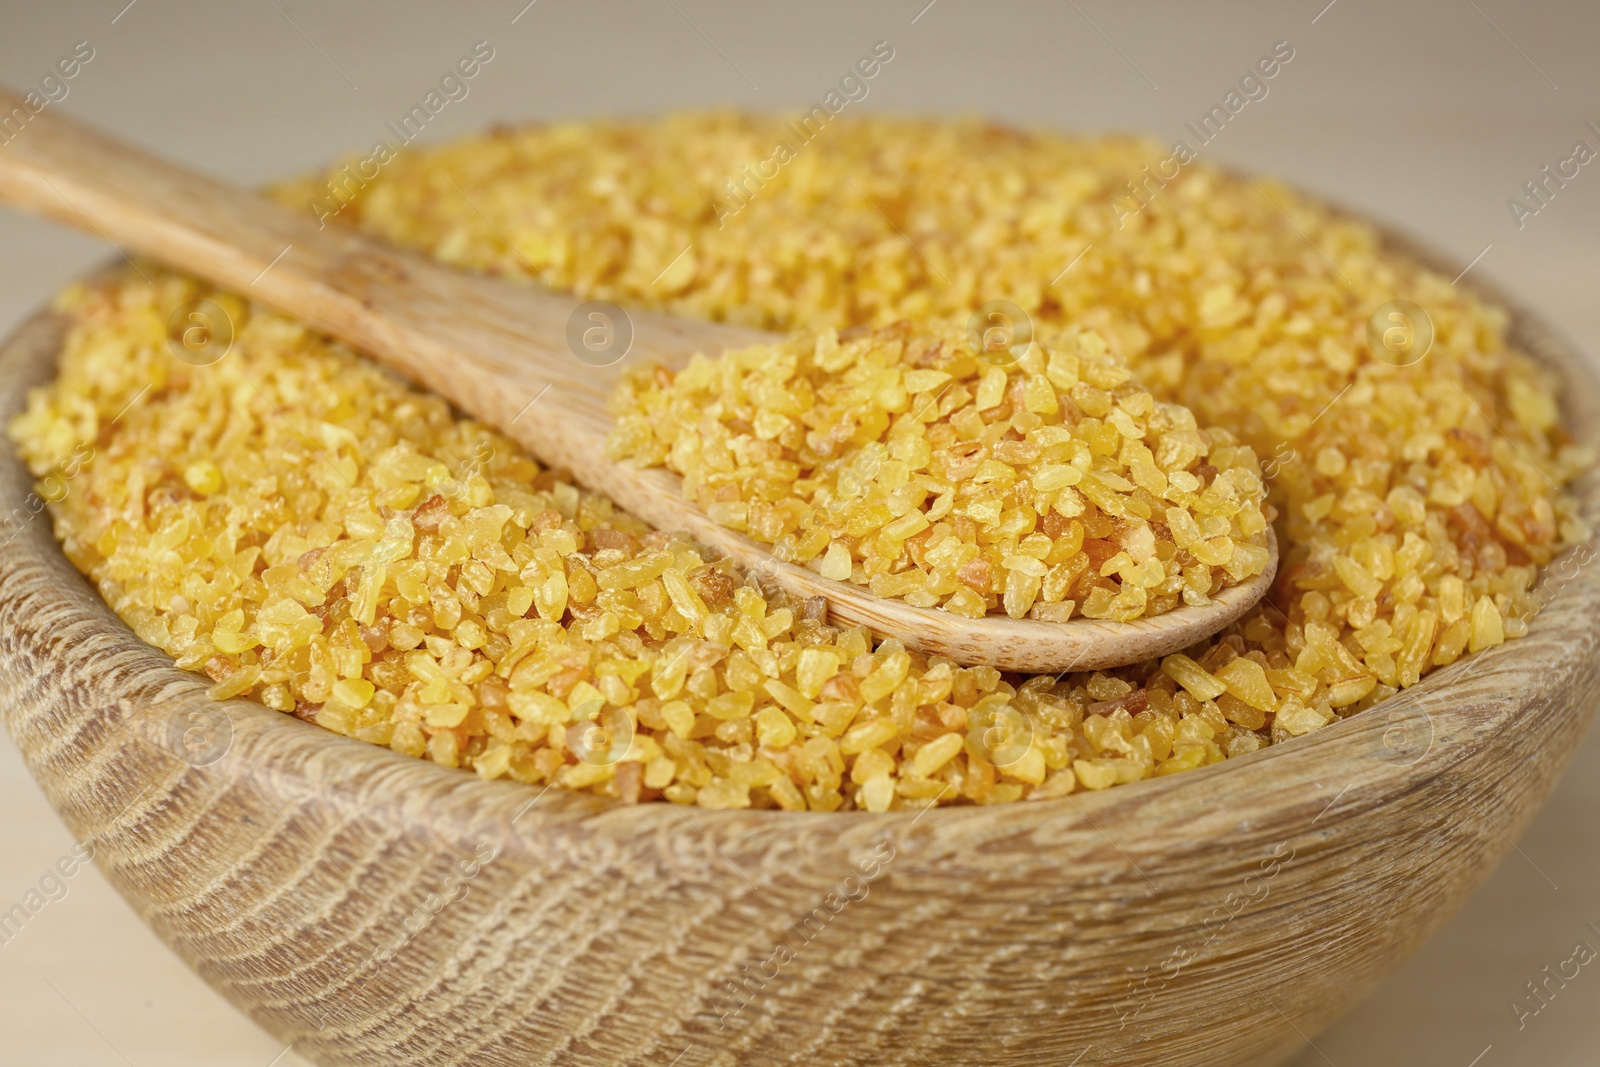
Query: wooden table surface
{"points": [[1432, 118]]}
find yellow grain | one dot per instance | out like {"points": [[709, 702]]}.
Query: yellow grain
{"points": [[290, 521]]}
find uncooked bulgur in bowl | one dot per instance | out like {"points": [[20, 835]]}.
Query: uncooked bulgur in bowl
{"points": [[321, 541], [309, 532]]}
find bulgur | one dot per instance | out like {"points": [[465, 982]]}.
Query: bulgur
{"points": [[1039, 481], [313, 533]]}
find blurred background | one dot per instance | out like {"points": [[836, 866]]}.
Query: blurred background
{"points": [[1428, 115]]}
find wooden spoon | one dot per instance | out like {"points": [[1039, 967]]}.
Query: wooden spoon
{"points": [[536, 364]]}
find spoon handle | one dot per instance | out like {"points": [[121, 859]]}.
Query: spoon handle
{"points": [[489, 345]]}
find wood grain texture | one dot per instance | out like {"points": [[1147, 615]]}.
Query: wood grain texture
{"points": [[1216, 917], [500, 351]]}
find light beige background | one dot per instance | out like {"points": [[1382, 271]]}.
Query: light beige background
{"points": [[1429, 115]]}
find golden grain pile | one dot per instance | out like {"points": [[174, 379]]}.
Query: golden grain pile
{"points": [[312, 533], [1041, 481]]}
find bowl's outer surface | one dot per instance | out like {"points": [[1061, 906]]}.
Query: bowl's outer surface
{"points": [[376, 909]]}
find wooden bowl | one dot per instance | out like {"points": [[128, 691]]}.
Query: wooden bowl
{"points": [[376, 909]]}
